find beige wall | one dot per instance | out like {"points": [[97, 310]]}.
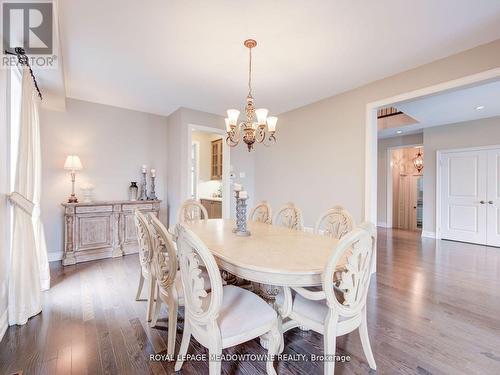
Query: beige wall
{"points": [[383, 146], [485, 132], [319, 159], [112, 144]]}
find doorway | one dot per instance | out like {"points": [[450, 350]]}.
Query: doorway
{"points": [[405, 188], [208, 169]]}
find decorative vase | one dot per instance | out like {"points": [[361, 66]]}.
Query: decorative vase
{"points": [[133, 191]]}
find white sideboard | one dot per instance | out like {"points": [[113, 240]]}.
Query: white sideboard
{"points": [[101, 229]]}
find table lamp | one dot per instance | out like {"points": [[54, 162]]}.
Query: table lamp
{"points": [[73, 164]]}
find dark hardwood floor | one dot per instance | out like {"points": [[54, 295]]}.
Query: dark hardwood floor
{"points": [[434, 308]]}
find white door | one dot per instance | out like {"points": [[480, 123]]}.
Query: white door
{"points": [[493, 206], [463, 196]]}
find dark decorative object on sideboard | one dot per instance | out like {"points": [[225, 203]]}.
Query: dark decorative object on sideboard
{"points": [[133, 191]]}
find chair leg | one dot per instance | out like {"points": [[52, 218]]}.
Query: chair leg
{"points": [[275, 339], [172, 325], [156, 311], [365, 341], [186, 337], [139, 288], [214, 365], [151, 298], [329, 342]]}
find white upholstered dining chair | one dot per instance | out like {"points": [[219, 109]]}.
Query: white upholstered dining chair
{"points": [[225, 317], [168, 284], [289, 216], [191, 210], [145, 256], [340, 307], [336, 222], [261, 213]]}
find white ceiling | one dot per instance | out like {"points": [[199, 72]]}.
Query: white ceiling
{"points": [[157, 55], [449, 107]]}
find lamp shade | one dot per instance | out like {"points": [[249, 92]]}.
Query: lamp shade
{"points": [[261, 114], [271, 123], [73, 163]]}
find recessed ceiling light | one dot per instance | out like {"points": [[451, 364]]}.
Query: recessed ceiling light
{"points": [[479, 107], [399, 131]]}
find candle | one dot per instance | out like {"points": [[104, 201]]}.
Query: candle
{"points": [[144, 168], [153, 172], [243, 194], [237, 187]]}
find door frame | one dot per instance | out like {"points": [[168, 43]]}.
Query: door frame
{"points": [[439, 154], [226, 165], [389, 186]]}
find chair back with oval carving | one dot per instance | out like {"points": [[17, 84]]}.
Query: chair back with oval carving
{"points": [[336, 222], [289, 216], [144, 240], [346, 290], [193, 255], [261, 213], [164, 260], [191, 210]]}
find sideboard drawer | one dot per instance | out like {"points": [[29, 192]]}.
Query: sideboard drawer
{"points": [[139, 206], [93, 209]]}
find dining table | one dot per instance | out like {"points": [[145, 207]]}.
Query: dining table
{"points": [[271, 257]]}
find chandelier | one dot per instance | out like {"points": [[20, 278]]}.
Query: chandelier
{"points": [[250, 131], [418, 162]]}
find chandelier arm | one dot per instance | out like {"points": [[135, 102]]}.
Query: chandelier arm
{"points": [[260, 135], [269, 141]]}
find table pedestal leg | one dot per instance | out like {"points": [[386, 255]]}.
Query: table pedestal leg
{"points": [[268, 293]]}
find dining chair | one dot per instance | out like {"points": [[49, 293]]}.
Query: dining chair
{"points": [[261, 213], [336, 223], [225, 317], [340, 307], [168, 284], [191, 210], [145, 256], [289, 216]]}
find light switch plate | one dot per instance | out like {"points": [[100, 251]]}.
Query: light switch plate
{"points": [[242, 174]]}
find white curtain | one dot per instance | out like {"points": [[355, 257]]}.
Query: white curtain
{"points": [[29, 270]]}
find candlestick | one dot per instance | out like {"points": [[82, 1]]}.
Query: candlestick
{"points": [[153, 196], [153, 172], [144, 168], [241, 218], [237, 196], [144, 191]]}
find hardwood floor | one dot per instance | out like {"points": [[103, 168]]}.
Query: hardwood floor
{"points": [[434, 308]]}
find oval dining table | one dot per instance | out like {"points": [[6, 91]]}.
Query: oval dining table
{"points": [[272, 256]]}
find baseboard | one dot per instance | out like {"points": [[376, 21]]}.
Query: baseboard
{"points": [[3, 324], [382, 224], [55, 256], [428, 234]]}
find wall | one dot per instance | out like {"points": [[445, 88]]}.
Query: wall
{"points": [[319, 159], [206, 186], [112, 144], [4, 205], [484, 132], [178, 160], [383, 146]]}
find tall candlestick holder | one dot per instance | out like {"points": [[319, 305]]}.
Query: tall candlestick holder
{"points": [[153, 196], [241, 218], [237, 196], [144, 189]]}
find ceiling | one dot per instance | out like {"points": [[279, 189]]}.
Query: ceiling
{"points": [[158, 55], [449, 107]]}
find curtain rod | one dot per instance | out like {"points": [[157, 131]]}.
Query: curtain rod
{"points": [[23, 60]]}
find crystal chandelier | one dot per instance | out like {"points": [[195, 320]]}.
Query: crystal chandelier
{"points": [[250, 131], [418, 162]]}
